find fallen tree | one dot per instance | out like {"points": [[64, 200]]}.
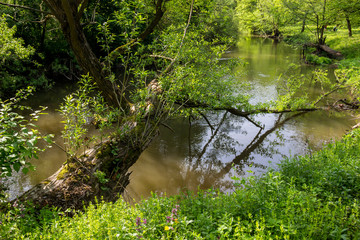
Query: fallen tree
{"points": [[322, 49]]}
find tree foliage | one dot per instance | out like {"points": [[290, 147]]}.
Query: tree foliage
{"points": [[262, 16], [18, 136]]}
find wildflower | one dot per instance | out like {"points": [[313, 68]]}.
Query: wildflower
{"points": [[176, 220], [138, 221], [166, 228], [144, 221]]}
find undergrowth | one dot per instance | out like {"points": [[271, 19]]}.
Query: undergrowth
{"points": [[309, 197]]}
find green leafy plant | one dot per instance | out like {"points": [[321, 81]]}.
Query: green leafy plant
{"points": [[18, 135], [316, 60], [81, 110]]}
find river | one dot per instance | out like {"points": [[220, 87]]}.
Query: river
{"points": [[196, 157]]}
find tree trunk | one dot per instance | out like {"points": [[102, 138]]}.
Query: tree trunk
{"points": [[66, 12], [322, 39], [303, 26], [101, 173], [349, 26]]}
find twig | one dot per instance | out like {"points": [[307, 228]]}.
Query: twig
{"points": [[168, 127], [159, 56]]}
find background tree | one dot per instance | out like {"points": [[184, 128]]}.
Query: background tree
{"points": [[266, 16], [316, 12], [345, 9]]}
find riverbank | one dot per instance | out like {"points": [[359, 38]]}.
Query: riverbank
{"points": [[338, 40], [309, 197]]}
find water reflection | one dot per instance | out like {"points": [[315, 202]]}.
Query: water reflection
{"points": [[197, 156], [206, 158]]}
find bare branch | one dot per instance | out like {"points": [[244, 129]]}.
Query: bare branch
{"points": [[84, 4], [339, 87], [24, 7], [241, 113], [183, 38], [159, 56]]}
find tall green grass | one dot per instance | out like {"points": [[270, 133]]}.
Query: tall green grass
{"points": [[309, 197]]}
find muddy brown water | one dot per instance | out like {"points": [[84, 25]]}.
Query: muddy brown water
{"points": [[196, 157]]}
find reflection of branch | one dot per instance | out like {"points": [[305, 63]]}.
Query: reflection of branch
{"points": [[208, 122], [251, 147], [253, 122], [208, 143]]}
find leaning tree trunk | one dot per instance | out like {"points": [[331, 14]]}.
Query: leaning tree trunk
{"points": [[103, 170], [68, 15], [102, 173]]}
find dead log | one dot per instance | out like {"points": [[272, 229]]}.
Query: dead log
{"points": [[331, 52]]}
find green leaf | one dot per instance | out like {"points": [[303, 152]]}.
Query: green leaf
{"points": [[17, 166], [25, 170]]}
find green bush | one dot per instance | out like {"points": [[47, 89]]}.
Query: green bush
{"points": [[297, 39], [316, 60]]}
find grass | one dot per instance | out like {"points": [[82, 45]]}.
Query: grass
{"points": [[310, 197], [339, 40]]}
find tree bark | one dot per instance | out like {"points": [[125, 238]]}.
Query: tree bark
{"points": [[79, 182], [331, 52], [348, 22], [303, 24], [66, 12]]}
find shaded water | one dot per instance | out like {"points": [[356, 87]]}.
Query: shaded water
{"points": [[197, 157]]}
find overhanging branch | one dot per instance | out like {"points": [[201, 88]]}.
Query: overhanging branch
{"points": [[242, 113]]}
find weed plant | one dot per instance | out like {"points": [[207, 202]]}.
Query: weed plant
{"points": [[309, 197]]}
